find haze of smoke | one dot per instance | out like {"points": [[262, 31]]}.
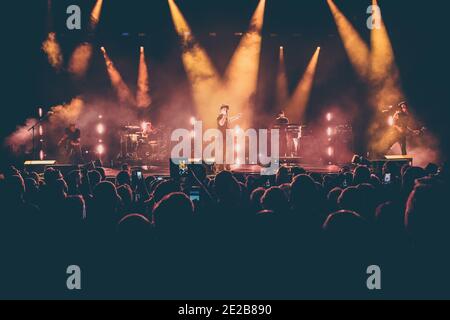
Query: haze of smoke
{"points": [[53, 50], [143, 99], [121, 88], [80, 60], [68, 113], [21, 139], [424, 150]]}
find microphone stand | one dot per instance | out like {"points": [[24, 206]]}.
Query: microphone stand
{"points": [[33, 132]]}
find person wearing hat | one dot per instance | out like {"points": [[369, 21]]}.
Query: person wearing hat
{"points": [[223, 124], [401, 126]]}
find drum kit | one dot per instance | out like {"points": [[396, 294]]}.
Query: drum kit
{"points": [[143, 143]]}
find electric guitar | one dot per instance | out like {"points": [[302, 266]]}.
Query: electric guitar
{"points": [[409, 131]]}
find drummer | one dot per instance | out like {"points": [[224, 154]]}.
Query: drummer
{"points": [[147, 129]]}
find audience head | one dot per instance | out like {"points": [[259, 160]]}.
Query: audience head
{"points": [[274, 199], [362, 175], [175, 212], [94, 177], [123, 177], [228, 189], [165, 188]]}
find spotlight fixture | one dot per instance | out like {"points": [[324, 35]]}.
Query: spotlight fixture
{"points": [[100, 149], [100, 129]]}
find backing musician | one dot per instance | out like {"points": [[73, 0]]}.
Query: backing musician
{"points": [[72, 144], [282, 123]]}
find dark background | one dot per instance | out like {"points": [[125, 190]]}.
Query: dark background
{"points": [[418, 32]]}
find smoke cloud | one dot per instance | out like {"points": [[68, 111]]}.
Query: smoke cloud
{"points": [[80, 60], [53, 50]]}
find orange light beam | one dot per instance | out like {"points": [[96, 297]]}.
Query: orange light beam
{"points": [[80, 60], [282, 81], [122, 90], [202, 74], [143, 99], [299, 101], [241, 77], [96, 14], [357, 50], [384, 75]]}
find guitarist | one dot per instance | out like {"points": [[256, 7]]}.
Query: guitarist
{"points": [[72, 144], [401, 126]]}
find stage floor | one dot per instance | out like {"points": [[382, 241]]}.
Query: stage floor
{"points": [[164, 171]]}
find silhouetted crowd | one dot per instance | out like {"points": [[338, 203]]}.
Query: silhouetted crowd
{"points": [[293, 235]]}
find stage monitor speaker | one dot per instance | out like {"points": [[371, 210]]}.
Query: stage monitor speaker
{"points": [[408, 159], [38, 166]]}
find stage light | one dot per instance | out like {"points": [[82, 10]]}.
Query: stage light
{"points": [[100, 116], [41, 131], [330, 151], [299, 101], [282, 81], [95, 14], [41, 155], [121, 88], [391, 121], [329, 132], [357, 50], [100, 149], [384, 75], [193, 121], [241, 76], [384, 80], [201, 72], [100, 129], [329, 116], [40, 112], [143, 99], [82, 55]]}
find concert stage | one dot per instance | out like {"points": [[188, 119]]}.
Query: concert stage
{"points": [[164, 171]]}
